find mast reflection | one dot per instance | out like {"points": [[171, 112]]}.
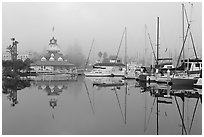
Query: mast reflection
{"points": [[164, 94], [114, 84]]}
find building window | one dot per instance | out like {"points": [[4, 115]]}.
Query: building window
{"points": [[43, 59], [197, 65], [60, 59], [51, 59]]}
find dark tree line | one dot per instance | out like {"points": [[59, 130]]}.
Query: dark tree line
{"points": [[16, 68]]}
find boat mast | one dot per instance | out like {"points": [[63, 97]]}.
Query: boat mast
{"points": [[183, 29], [89, 54], [145, 49], [120, 44], [184, 40], [126, 48], [191, 36], [157, 42]]}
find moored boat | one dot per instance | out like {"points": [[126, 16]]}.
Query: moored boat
{"points": [[183, 80], [107, 70], [107, 81]]}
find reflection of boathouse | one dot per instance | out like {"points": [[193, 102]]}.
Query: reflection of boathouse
{"points": [[53, 61], [53, 90]]}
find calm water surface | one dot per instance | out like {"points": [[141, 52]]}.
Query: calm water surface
{"points": [[78, 107]]}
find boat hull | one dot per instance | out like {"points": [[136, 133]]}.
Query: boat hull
{"points": [[183, 81], [97, 75], [108, 85], [103, 75]]}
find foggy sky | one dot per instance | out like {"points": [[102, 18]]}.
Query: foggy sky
{"points": [[78, 23]]}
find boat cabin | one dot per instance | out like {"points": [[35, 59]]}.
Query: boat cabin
{"points": [[192, 64]]}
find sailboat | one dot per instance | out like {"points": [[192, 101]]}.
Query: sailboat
{"points": [[107, 81], [192, 67], [156, 76], [113, 68]]}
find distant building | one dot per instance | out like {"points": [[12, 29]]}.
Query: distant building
{"points": [[112, 59], [21, 55], [53, 61]]}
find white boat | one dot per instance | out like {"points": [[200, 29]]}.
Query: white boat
{"points": [[133, 71], [165, 78], [162, 79], [107, 70], [107, 81], [98, 73]]}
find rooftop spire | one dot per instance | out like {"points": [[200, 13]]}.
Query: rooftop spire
{"points": [[53, 29]]}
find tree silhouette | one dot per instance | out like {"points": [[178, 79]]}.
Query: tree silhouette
{"points": [[105, 55], [100, 54]]}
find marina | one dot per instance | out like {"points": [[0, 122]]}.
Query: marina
{"points": [[127, 85]]}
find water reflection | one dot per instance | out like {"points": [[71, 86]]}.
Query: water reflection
{"points": [[10, 88], [117, 85], [156, 103], [90, 101], [53, 88], [164, 94]]}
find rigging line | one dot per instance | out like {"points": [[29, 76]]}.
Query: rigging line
{"points": [[190, 33], [150, 41], [89, 54], [180, 115], [152, 46], [150, 113], [89, 97], [120, 44], [182, 48], [119, 105], [193, 115]]}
